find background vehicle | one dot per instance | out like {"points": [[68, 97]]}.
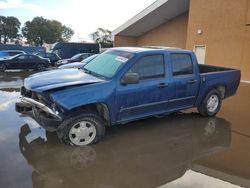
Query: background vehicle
{"points": [[8, 53], [78, 64], [123, 85], [24, 61], [75, 58], [51, 56], [68, 49], [26, 49]]}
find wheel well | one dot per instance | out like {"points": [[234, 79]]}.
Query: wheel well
{"points": [[221, 90], [98, 108]]}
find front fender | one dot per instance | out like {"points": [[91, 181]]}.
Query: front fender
{"points": [[77, 96]]}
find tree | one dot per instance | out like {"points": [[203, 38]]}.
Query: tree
{"points": [[36, 31], [9, 28], [67, 33], [41, 30], [103, 37]]}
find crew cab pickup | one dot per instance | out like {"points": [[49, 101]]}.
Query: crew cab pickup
{"points": [[123, 85]]}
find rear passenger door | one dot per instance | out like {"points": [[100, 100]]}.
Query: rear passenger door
{"points": [[33, 60], [185, 79]]}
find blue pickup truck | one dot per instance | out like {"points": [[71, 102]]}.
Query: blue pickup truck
{"points": [[123, 85]]}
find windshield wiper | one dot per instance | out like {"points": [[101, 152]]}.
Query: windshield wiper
{"points": [[93, 73]]}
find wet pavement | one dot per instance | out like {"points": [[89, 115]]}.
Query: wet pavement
{"points": [[180, 150]]}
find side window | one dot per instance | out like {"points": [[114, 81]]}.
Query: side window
{"points": [[32, 57], [13, 53], [22, 57], [181, 64], [50, 55], [42, 55], [149, 67]]}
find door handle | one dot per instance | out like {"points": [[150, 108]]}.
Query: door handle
{"points": [[162, 85], [192, 81]]}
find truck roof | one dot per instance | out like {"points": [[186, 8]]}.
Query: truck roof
{"points": [[150, 48]]}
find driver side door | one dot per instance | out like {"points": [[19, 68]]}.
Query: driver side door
{"points": [[19, 62], [148, 97]]}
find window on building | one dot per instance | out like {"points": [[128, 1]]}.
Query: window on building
{"points": [[181, 64], [149, 67]]}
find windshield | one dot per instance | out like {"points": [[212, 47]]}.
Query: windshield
{"points": [[76, 56], [88, 59], [108, 63]]}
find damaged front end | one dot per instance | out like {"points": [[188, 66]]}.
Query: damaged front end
{"points": [[40, 108]]}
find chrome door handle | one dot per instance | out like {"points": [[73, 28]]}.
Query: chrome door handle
{"points": [[192, 81], [162, 85]]}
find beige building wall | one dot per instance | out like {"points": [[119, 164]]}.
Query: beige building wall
{"points": [[225, 33], [123, 41], [172, 34], [225, 27]]}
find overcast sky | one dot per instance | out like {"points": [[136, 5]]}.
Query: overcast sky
{"points": [[83, 16]]}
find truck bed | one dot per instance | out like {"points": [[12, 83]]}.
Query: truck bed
{"points": [[213, 76], [209, 68]]}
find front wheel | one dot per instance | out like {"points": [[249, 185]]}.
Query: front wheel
{"points": [[2, 67], [81, 130], [211, 104], [40, 67]]}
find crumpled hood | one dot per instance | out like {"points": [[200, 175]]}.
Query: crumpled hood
{"points": [[47, 80]]}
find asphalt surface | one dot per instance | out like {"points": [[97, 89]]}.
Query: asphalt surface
{"points": [[180, 150]]}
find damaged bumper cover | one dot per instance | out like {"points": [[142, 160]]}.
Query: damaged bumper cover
{"points": [[45, 116]]}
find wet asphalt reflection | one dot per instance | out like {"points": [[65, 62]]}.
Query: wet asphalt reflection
{"points": [[180, 150]]}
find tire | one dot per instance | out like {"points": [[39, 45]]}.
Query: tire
{"points": [[211, 104], [2, 67], [81, 130], [40, 67]]}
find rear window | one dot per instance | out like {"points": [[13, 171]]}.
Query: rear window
{"points": [[181, 64]]}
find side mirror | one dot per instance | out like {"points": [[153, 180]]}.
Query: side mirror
{"points": [[130, 78]]}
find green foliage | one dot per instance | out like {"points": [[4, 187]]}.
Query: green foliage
{"points": [[41, 30], [103, 37], [9, 28], [67, 34]]}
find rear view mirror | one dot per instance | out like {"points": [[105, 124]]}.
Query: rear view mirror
{"points": [[130, 78]]}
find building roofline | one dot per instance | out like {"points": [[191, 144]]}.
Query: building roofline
{"points": [[159, 12], [139, 16]]}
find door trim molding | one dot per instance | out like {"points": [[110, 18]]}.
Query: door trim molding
{"points": [[155, 103]]}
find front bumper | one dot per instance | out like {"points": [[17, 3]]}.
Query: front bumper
{"points": [[45, 116]]}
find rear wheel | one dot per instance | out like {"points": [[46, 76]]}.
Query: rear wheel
{"points": [[2, 67], [211, 104], [81, 130], [40, 67]]}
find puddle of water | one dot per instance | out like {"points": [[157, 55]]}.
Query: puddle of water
{"points": [[181, 150]]}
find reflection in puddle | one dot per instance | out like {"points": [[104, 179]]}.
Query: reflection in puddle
{"points": [[7, 99], [147, 153]]}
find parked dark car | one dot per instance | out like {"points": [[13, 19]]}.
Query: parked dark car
{"points": [[77, 65], [8, 53], [75, 58], [51, 56], [68, 49], [24, 61], [123, 85]]}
